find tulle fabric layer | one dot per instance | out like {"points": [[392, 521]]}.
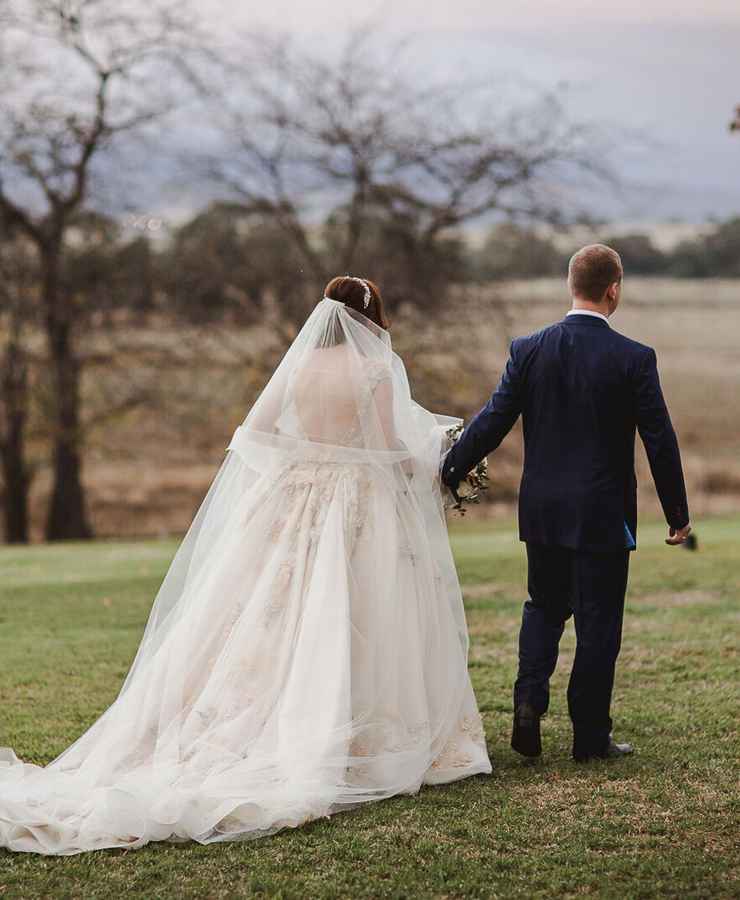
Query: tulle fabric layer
{"points": [[317, 666], [307, 650]]}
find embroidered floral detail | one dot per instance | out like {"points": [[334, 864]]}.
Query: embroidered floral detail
{"points": [[473, 727], [389, 737], [452, 755]]}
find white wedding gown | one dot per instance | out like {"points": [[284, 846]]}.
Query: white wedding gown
{"points": [[307, 651]]}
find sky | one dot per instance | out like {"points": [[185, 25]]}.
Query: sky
{"points": [[661, 79], [461, 14], [668, 70]]}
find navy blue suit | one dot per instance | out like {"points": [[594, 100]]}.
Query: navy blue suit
{"points": [[583, 390]]}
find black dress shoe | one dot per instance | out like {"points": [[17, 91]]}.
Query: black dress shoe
{"points": [[613, 751], [525, 736]]}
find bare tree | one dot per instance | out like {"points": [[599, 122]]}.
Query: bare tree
{"points": [[76, 76], [386, 149]]}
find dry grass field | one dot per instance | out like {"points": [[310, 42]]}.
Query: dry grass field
{"points": [[695, 328], [147, 469]]}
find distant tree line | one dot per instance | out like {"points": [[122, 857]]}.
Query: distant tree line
{"points": [[735, 123], [513, 251]]}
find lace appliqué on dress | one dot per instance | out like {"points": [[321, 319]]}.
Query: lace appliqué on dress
{"points": [[470, 729]]}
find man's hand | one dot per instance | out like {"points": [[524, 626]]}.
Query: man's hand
{"points": [[678, 535]]}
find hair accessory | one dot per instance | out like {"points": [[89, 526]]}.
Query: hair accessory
{"points": [[368, 295]]}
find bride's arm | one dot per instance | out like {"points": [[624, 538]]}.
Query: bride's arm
{"points": [[384, 404], [383, 396]]}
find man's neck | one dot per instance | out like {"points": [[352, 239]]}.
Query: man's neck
{"points": [[589, 306]]}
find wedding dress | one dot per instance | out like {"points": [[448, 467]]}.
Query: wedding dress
{"points": [[307, 650]]}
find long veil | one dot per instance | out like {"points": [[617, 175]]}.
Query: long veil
{"points": [[307, 649], [394, 437]]}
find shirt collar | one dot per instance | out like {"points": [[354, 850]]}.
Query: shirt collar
{"points": [[588, 312]]}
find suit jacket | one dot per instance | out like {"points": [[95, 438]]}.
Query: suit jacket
{"points": [[583, 390]]}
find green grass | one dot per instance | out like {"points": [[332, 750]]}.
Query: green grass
{"points": [[660, 824]]}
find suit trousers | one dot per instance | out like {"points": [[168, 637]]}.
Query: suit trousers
{"points": [[591, 587]]}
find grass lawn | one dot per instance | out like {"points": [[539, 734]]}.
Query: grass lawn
{"points": [[660, 824]]}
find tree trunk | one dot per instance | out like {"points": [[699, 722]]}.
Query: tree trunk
{"points": [[16, 477], [67, 517], [17, 486]]}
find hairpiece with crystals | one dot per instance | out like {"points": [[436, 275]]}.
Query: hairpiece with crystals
{"points": [[368, 295]]}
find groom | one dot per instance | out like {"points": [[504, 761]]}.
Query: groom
{"points": [[582, 390]]}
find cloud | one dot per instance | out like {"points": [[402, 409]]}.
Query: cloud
{"points": [[319, 15]]}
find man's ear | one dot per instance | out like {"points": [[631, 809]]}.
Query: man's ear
{"points": [[616, 290]]}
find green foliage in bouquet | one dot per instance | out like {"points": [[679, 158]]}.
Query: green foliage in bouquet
{"points": [[475, 482]]}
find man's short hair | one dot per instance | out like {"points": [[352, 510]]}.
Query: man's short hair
{"points": [[592, 269]]}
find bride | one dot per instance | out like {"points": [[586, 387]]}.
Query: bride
{"points": [[307, 650]]}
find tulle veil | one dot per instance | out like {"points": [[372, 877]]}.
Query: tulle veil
{"points": [[271, 437]]}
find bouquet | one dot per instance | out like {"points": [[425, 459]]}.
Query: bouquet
{"points": [[475, 482]]}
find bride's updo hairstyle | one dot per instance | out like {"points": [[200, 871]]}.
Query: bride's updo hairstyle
{"points": [[351, 292]]}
